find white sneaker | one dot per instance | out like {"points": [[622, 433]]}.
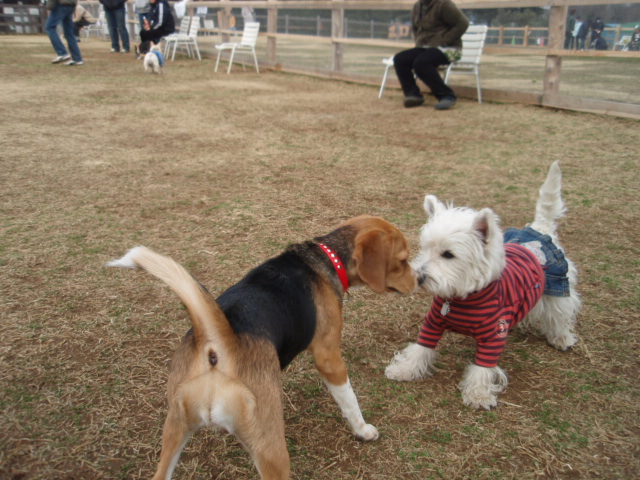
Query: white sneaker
{"points": [[61, 58], [73, 62], [113, 50]]}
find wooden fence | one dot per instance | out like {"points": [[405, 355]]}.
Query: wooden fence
{"points": [[502, 40]]}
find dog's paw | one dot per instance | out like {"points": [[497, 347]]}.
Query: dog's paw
{"points": [[477, 401], [412, 363], [399, 372], [368, 433], [563, 342]]}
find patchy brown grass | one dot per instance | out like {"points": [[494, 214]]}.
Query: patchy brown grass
{"points": [[221, 172]]}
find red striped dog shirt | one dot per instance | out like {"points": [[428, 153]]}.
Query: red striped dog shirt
{"points": [[491, 313]]}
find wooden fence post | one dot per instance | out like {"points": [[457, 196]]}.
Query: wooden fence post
{"points": [[337, 31], [272, 28], [553, 63]]}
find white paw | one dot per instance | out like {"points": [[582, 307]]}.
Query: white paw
{"points": [[480, 386], [412, 363], [563, 342], [477, 401], [397, 371], [368, 433]]}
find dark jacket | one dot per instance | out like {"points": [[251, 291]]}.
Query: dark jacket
{"points": [[51, 4], [438, 23], [160, 16], [113, 4], [583, 30]]}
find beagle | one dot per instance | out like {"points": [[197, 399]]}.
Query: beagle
{"points": [[226, 373]]}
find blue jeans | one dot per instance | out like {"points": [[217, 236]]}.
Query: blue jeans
{"points": [[117, 24], [63, 14]]}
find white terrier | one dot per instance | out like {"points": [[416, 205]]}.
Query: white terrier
{"points": [[484, 283], [154, 60]]}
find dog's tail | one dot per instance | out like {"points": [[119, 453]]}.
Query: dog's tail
{"points": [[210, 325], [550, 206]]}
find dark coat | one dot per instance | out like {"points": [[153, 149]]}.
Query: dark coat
{"points": [[113, 4]]}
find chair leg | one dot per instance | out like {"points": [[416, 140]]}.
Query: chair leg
{"points": [[195, 45], [478, 85], [384, 81], [175, 47], [218, 60], [233, 52], [255, 59]]}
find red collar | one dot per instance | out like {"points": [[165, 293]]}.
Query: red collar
{"points": [[337, 264]]}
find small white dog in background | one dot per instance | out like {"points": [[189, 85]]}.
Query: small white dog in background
{"points": [[154, 60], [484, 283]]}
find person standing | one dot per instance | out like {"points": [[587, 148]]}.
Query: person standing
{"points": [[581, 31], [114, 11], [634, 44], [248, 15], [437, 26], [61, 11], [569, 32]]}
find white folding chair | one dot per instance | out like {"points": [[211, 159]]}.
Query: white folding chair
{"points": [[472, 46], [183, 30], [190, 40], [246, 45]]}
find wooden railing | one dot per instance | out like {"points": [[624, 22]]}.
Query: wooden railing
{"points": [[537, 41]]}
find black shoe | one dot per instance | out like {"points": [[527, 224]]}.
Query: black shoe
{"points": [[413, 101], [445, 103]]}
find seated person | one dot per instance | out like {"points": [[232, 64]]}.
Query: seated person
{"points": [[81, 18], [634, 44], [160, 23], [437, 26]]}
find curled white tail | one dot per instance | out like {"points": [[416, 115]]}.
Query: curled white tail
{"points": [[550, 206]]}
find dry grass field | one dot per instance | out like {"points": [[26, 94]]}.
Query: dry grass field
{"points": [[222, 172]]}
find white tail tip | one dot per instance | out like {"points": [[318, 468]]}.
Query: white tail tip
{"points": [[128, 260]]}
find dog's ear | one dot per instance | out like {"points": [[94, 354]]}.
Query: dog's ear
{"points": [[432, 205], [486, 224], [371, 256]]}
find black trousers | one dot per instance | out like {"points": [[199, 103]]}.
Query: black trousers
{"points": [[424, 62], [154, 35]]}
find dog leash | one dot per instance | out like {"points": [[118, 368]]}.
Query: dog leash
{"points": [[337, 265]]}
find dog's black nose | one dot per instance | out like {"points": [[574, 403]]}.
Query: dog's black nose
{"points": [[421, 278]]}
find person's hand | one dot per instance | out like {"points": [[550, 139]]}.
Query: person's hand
{"points": [[146, 24]]}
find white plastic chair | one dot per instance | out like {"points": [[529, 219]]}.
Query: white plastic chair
{"points": [[95, 27], [183, 30], [623, 43], [246, 45], [388, 63], [472, 46], [209, 26], [190, 40]]}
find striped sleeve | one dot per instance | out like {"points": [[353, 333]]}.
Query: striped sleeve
{"points": [[432, 330], [160, 16]]}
